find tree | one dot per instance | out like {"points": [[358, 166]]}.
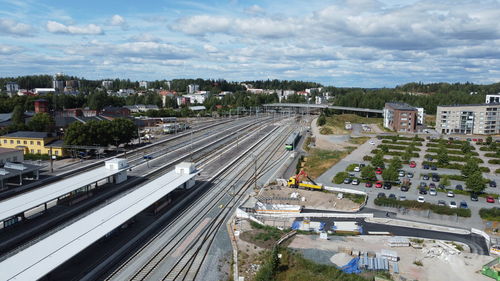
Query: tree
{"points": [[489, 140], [390, 174], [445, 180], [378, 160], [406, 156], [368, 172], [466, 147], [18, 115], [124, 130], [470, 167], [41, 122], [442, 156], [396, 163], [475, 182], [321, 120], [384, 148]]}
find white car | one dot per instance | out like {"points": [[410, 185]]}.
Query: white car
{"points": [[357, 169], [421, 199], [355, 182], [450, 194], [372, 142], [432, 192], [453, 204], [402, 198]]}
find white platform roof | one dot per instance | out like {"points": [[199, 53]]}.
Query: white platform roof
{"points": [[26, 201], [41, 258]]}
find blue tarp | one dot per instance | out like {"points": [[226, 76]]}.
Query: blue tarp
{"points": [[322, 226], [296, 225], [352, 266]]}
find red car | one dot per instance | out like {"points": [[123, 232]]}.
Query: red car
{"points": [[413, 164], [378, 184], [490, 199], [474, 139], [368, 184], [378, 171]]}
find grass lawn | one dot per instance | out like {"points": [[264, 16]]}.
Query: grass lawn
{"points": [[336, 124], [430, 120], [358, 140], [320, 160]]}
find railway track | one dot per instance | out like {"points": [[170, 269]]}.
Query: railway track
{"points": [[188, 264]]}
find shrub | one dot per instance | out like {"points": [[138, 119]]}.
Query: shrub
{"points": [[494, 161], [486, 148], [401, 138], [412, 204], [351, 167], [455, 158], [367, 158], [497, 171], [30, 156], [491, 214], [452, 151], [455, 166], [492, 155], [339, 177]]}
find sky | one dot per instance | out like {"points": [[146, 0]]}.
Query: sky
{"points": [[345, 43]]}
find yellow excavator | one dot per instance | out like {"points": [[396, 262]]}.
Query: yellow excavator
{"points": [[296, 182]]}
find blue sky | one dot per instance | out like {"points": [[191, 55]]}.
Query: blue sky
{"points": [[364, 43]]}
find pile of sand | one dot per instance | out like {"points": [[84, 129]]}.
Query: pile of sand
{"points": [[340, 259]]}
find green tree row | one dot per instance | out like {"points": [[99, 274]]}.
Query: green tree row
{"points": [[101, 133]]}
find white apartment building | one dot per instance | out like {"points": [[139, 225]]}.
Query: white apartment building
{"points": [[492, 98], [107, 84], [193, 88], [144, 84], [481, 119]]}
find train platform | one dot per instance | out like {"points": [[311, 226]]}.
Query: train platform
{"points": [[41, 258]]}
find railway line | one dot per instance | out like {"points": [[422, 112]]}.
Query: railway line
{"points": [[186, 265], [47, 226]]}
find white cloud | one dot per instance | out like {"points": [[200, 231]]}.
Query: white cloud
{"points": [[11, 27], [9, 49], [90, 29], [210, 48], [118, 20], [255, 10]]}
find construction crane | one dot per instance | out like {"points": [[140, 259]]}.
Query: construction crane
{"points": [[296, 182]]}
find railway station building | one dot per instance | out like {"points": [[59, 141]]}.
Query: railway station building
{"points": [[33, 143]]}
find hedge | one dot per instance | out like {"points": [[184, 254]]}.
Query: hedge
{"points": [[455, 158], [486, 148], [449, 146], [452, 151], [494, 161], [339, 177], [29, 156], [394, 153], [497, 171], [407, 143], [491, 214], [451, 141], [367, 158], [401, 138], [413, 204], [455, 166], [396, 147], [492, 155]]}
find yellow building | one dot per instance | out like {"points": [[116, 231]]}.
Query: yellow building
{"points": [[33, 142]]}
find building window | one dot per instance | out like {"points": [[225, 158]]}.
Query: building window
{"points": [[25, 142], [4, 141], [18, 142], [15, 159], [32, 151], [57, 152], [31, 142], [11, 141], [37, 143], [39, 151]]}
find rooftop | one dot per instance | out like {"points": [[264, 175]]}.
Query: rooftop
{"points": [[8, 150], [476, 104], [400, 106], [28, 135]]}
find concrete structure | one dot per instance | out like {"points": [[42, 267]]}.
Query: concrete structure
{"points": [[193, 88], [74, 84], [10, 155], [141, 107], [11, 87], [107, 84], [322, 106], [199, 97], [32, 142], [144, 84], [400, 117], [39, 259], [44, 91], [492, 98], [481, 119]]}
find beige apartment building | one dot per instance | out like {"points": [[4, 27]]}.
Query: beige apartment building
{"points": [[477, 119]]}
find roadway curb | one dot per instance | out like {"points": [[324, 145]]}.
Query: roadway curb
{"points": [[418, 225]]}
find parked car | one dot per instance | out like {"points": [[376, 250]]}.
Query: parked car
{"points": [[402, 198], [425, 177], [381, 195], [469, 139], [405, 188], [434, 168], [441, 186], [355, 182], [490, 199], [473, 197], [432, 191], [425, 166], [432, 185], [378, 184], [387, 185], [378, 171], [362, 165], [409, 175], [441, 203], [493, 184], [463, 205], [357, 169], [423, 184], [372, 142], [413, 164], [347, 180], [453, 204], [421, 199], [368, 184], [450, 194], [401, 173], [392, 196], [422, 191], [435, 178], [459, 187]]}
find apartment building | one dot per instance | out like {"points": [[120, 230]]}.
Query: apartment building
{"points": [[480, 119], [401, 117]]}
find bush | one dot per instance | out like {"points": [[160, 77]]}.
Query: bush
{"points": [[494, 161], [455, 158], [452, 151], [397, 147], [491, 214], [497, 171], [351, 167], [486, 148], [401, 138], [448, 146], [393, 153], [367, 158], [30, 156], [407, 143], [492, 155], [455, 166], [339, 177], [412, 204]]}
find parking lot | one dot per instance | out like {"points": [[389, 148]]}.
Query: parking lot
{"points": [[356, 157]]}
